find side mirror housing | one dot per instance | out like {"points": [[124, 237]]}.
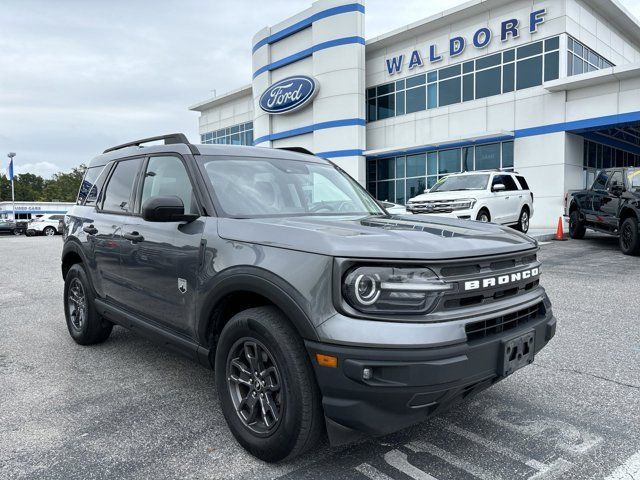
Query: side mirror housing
{"points": [[498, 187], [168, 208], [617, 190]]}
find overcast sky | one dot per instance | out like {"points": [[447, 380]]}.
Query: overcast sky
{"points": [[77, 76]]}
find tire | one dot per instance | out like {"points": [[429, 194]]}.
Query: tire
{"points": [[85, 326], [49, 231], [523, 221], [274, 345], [483, 216], [576, 226], [16, 232], [630, 237]]}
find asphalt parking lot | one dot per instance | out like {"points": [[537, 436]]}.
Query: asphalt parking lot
{"points": [[129, 409]]}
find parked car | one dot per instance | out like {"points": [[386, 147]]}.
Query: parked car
{"points": [[48, 225], [318, 309], [9, 226], [611, 205], [499, 197]]}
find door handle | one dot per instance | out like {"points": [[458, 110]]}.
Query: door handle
{"points": [[90, 230], [134, 237]]}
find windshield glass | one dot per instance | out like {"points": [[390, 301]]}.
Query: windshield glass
{"points": [[248, 188], [461, 182], [633, 178]]}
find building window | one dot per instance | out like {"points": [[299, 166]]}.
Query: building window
{"points": [[515, 69], [398, 179], [583, 60], [597, 156], [241, 134]]}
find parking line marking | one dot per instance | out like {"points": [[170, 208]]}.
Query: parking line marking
{"points": [[544, 470], [372, 472], [397, 459], [426, 447], [629, 470]]}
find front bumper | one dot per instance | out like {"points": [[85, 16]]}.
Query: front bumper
{"points": [[409, 385], [469, 214]]}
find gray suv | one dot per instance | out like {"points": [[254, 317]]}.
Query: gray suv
{"points": [[318, 310]]}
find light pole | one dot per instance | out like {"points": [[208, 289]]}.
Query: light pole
{"points": [[13, 195]]}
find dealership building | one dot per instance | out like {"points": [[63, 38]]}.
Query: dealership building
{"points": [[30, 210], [550, 89]]}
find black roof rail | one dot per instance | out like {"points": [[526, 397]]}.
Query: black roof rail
{"points": [[169, 139], [296, 149]]}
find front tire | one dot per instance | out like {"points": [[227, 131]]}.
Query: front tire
{"points": [[85, 326], [630, 237], [577, 229], [266, 385], [523, 221], [483, 216]]}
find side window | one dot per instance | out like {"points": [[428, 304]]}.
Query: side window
{"points": [[601, 181], [506, 180], [117, 195], [616, 179], [523, 183], [168, 176], [88, 185]]}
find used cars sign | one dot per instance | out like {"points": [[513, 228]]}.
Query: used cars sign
{"points": [[289, 94]]}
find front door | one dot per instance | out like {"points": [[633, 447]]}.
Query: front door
{"points": [[610, 203], [598, 195], [160, 259], [501, 199]]}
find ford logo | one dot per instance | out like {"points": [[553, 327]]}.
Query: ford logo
{"points": [[289, 94]]}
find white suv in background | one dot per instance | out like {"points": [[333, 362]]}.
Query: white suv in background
{"points": [[499, 197], [47, 225]]}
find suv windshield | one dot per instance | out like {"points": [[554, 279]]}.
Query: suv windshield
{"points": [[249, 188], [461, 182], [633, 178]]}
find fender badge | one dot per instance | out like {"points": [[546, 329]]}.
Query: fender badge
{"points": [[182, 285]]}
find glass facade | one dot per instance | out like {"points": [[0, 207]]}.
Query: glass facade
{"points": [[241, 134], [582, 59], [516, 69], [398, 179], [598, 156]]}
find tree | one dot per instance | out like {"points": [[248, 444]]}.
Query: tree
{"points": [[62, 187]]}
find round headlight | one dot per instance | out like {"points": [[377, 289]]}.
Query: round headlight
{"points": [[367, 289]]}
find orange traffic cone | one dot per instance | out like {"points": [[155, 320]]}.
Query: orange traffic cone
{"points": [[560, 230]]}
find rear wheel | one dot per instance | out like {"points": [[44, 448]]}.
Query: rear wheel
{"points": [[85, 326], [16, 232], [630, 237], [576, 226], [523, 221], [483, 216], [49, 231], [266, 385]]}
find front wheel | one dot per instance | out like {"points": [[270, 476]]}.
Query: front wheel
{"points": [[483, 216], [49, 231], [16, 232], [630, 237], [266, 385], [523, 221]]}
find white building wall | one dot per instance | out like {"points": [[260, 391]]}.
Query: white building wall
{"points": [[227, 113]]}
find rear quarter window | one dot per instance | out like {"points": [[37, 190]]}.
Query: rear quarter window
{"points": [[523, 183], [91, 185]]}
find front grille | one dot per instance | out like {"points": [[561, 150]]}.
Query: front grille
{"points": [[494, 326], [439, 206]]}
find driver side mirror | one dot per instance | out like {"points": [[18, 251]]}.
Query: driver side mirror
{"points": [[498, 187], [168, 208]]}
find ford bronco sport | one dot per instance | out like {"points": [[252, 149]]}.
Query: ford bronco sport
{"points": [[317, 309]]}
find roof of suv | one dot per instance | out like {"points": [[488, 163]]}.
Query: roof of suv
{"points": [[178, 143]]}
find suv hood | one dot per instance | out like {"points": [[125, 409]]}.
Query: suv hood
{"points": [[393, 236], [454, 195]]}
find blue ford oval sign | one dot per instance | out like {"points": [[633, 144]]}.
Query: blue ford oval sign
{"points": [[289, 94]]}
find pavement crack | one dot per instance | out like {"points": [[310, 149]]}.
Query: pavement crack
{"points": [[593, 375]]}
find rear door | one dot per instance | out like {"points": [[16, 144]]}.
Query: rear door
{"points": [[104, 230], [610, 203], [597, 195], [160, 260]]}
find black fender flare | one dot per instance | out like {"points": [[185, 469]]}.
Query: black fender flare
{"points": [[261, 282], [71, 245]]}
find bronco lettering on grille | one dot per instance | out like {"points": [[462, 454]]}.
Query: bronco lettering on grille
{"points": [[501, 279]]}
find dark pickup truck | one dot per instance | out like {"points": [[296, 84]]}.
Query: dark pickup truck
{"points": [[611, 205]]}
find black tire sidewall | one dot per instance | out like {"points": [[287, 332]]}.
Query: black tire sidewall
{"points": [[635, 243], [93, 330], [282, 441], [520, 224], [48, 229], [576, 228], [483, 211]]}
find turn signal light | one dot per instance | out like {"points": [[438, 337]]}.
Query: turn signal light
{"points": [[327, 360]]}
